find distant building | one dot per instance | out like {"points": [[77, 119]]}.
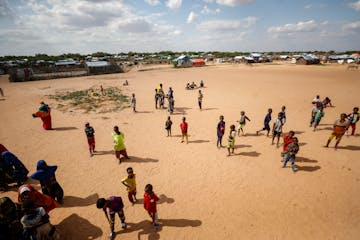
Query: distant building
{"points": [[182, 61], [101, 67], [198, 62]]}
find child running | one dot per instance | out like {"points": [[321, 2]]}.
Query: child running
{"points": [[340, 127], [150, 200], [318, 116], [292, 150], [277, 128], [115, 205], [130, 184], [231, 139], [168, 124], [89, 131], [119, 145], [242, 122], [266, 123]]}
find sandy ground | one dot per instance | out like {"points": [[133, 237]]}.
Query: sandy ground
{"points": [[204, 194]]}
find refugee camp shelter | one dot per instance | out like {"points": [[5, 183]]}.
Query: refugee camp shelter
{"points": [[198, 62], [101, 67], [307, 59], [182, 61]]}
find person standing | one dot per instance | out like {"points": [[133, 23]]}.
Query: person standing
{"points": [[220, 130], [115, 205], [150, 200], [277, 129], [231, 140], [133, 102], [119, 145], [340, 127], [130, 184], [184, 130], [354, 118], [168, 125], [200, 98], [89, 131], [242, 122]]}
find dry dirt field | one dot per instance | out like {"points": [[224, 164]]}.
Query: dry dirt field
{"points": [[203, 193]]}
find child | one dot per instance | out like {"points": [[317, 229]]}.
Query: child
{"points": [[168, 124], [89, 131], [319, 114], [277, 129], [26, 192], [130, 184], [292, 150], [150, 200], [231, 139], [326, 101], [242, 122], [115, 205], [340, 127], [283, 119], [156, 98], [36, 223], [220, 130], [133, 102], [119, 145], [49, 185], [200, 97], [354, 118], [266, 123], [184, 128]]}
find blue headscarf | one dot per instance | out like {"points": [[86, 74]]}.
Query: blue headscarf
{"points": [[43, 171]]}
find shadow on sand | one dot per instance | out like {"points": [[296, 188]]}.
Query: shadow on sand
{"points": [[249, 154], [162, 199], [134, 159], [76, 227], [208, 109], [303, 159], [180, 110], [65, 128], [198, 141], [350, 147], [72, 201], [242, 146], [146, 228], [144, 111], [307, 168]]}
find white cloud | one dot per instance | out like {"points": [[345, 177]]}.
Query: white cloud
{"points": [[226, 25], [191, 17], [308, 6], [232, 3], [208, 1], [4, 9], [153, 2], [207, 10], [174, 4], [354, 26], [308, 26], [355, 5]]}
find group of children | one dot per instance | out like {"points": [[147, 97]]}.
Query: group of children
{"points": [[114, 204]]}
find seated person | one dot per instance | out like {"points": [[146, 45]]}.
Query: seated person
{"points": [[192, 85]]}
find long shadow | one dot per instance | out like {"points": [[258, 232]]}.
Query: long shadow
{"points": [[299, 132], [162, 199], [180, 110], [144, 111], [302, 144], [73, 201], [326, 124], [179, 135], [350, 147], [303, 159], [75, 227], [145, 227], [108, 152], [208, 109], [134, 159], [325, 128], [252, 134], [65, 128], [249, 154], [199, 141], [242, 146], [307, 168]]}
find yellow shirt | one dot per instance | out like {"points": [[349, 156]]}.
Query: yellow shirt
{"points": [[119, 142], [130, 182]]}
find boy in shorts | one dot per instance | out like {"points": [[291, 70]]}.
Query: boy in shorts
{"points": [[266, 123], [242, 122]]}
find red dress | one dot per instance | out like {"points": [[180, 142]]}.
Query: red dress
{"points": [[46, 119], [150, 202]]}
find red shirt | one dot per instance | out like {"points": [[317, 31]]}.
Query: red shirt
{"points": [[2, 149], [287, 141], [184, 127], [150, 202]]}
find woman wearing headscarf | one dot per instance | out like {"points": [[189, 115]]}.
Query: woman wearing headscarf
{"points": [[26, 192], [44, 114]]}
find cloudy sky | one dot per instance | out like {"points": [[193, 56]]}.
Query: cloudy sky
{"points": [[86, 26]]}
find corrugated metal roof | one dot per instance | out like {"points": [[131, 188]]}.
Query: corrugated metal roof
{"points": [[98, 64]]}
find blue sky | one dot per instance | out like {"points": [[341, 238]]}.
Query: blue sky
{"points": [[28, 27]]}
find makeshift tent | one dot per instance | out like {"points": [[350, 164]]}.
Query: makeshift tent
{"points": [[198, 62]]}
